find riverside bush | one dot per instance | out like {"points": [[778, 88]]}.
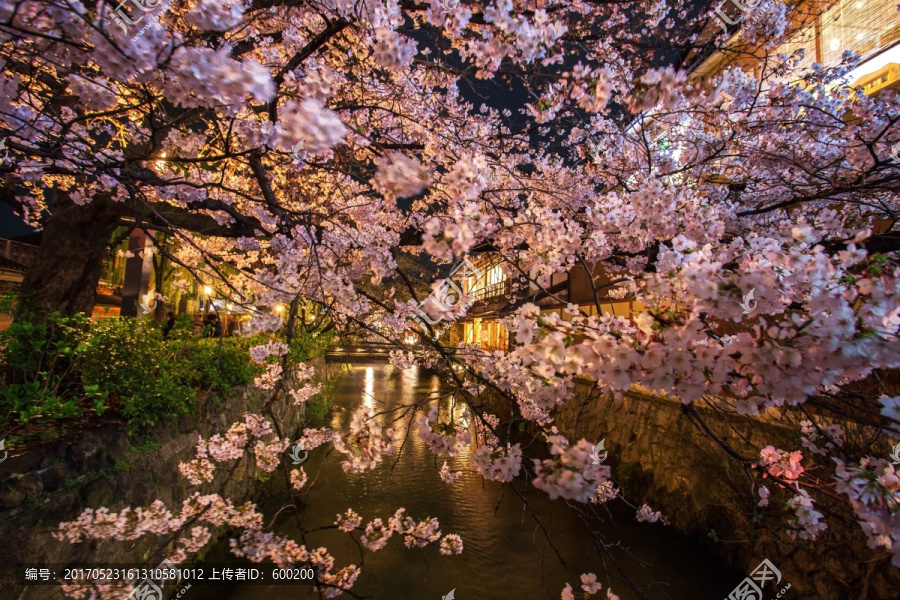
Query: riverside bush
{"points": [[131, 362], [36, 368], [67, 367]]}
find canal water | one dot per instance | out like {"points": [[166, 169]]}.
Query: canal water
{"points": [[506, 555]]}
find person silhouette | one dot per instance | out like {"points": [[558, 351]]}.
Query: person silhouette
{"points": [[208, 326], [214, 325], [169, 324]]}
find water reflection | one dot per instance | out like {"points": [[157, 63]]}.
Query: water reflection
{"points": [[369, 393], [506, 554]]}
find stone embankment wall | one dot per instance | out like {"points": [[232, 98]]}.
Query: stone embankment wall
{"points": [[107, 467], [660, 457]]}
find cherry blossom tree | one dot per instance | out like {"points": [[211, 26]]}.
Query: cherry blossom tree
{"points": [[602, 151]]}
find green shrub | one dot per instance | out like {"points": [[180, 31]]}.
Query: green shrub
{"points": [[319, 406], [67, 367], [36, 367], [128, 360], [306, 345], [218, 364]]}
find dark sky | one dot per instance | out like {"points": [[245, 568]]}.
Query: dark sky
{"points": [[509, 94], [11, 224]]}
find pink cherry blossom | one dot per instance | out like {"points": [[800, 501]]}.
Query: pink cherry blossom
{"points": [[444, 439], [451, 544], [448, 476], [571, 473], [349, 521], [589, 583], [781, 464], [678, 196], [298, 478], [645, 514], [260, 353]]}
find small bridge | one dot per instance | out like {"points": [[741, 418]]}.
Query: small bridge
{"points": [[361, 352]]}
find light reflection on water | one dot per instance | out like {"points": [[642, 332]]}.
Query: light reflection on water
{"points": [[369, 392], [506, 555]]}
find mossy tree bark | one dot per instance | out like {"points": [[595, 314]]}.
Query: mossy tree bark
{"points": [[64, 275]]}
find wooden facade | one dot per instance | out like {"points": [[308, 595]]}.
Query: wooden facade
{"points": [[824, 30]]}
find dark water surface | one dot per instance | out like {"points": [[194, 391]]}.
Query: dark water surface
{"points": [[506, 555]]}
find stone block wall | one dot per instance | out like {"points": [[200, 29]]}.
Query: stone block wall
{"points": [[659, 456], [105, 466]]}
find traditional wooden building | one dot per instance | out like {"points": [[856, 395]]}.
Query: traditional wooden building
{"points": [[870, 28], [494, 295]]}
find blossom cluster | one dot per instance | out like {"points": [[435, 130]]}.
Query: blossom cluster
{"points": [[258, 545], [645, 514], [807, 522], [605, 492], [305, 393], [232, 446], [812, 433], [415, 534], [349, 521], [131, 524], [270, 377], [298, 478], [448, 476], [570, 473], [313, 438], [873, 489], [590, 585], [367, 442], [260, 353], [781, 464], [399, 176], [497, 463], [402, 360], [443, 439]]}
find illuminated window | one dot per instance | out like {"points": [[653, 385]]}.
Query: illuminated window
{"points": [[862, 27], [805, 40], [495, 275], [490, 284]]}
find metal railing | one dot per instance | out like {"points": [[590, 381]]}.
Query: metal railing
{"points": [[372, 351], [494, 290]]}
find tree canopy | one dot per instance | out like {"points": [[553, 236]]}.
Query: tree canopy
{"points": [[556, 134]]}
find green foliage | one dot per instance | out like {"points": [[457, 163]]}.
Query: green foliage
{"points": [[318, 407], [217, 364], [97, 397], [306, 345], [130, 361], [67, 367], [183, 329], [64, 368], [157, 379], [36, 359]]}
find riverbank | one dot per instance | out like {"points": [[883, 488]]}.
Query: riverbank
{"points": [[111, 467], [507, 555], [660, 457]]}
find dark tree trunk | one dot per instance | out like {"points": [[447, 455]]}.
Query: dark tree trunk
{"points": [[63, 276], [65, 272]]}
